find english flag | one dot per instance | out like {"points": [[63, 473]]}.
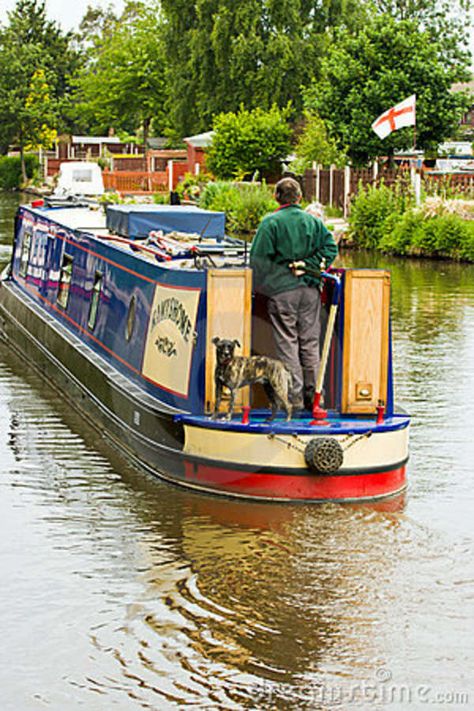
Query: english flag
{"points": [[399, 116]]}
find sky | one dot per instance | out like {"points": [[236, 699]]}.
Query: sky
{"points": [[68, 13]]}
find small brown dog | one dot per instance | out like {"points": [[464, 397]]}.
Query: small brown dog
{"points": [[234, 372]]}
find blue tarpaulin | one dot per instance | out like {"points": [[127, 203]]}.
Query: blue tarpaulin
{"points": [[137, 221]]}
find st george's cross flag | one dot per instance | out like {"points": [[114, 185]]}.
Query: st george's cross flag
{"points": [[399, 116]]}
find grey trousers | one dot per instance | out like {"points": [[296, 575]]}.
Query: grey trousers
{"points": [[295, 317]]}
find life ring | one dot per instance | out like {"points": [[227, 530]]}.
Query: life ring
{"points": [[324, 455]]}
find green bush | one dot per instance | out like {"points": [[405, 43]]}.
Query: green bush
{"points": [[191, 186], [254, 203], [161, 198], [249, 142], [386, 219], [466, 250], [369, 210], [443, 236], [314, 144], [10, 170], [401, 231], [436, 236], [243, 203]]}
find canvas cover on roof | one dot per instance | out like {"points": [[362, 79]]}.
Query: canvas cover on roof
{"points": [[137, 221]]}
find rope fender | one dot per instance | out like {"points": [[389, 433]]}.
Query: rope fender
{"points": [[322, 455]]}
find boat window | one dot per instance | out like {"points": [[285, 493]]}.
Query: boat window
{"points": [[131, 317], [65, 281], [82, 176], [95, 300], [25, 252]]}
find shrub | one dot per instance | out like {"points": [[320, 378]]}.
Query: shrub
{"points": [[243, 203], [369, 210], [436, 236], [248, 142], [442, 235], [10, 170], [401, 231], [254, 203], [161, 198], [466, 250], [190, 186], [386, 219], [315, 145]]}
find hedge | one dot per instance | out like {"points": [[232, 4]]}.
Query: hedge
{"points": [[10, 170]]}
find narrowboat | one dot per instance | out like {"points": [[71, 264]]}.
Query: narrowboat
{"points": [[119, 311]]}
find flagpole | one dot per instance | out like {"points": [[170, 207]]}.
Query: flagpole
{"points": [[414, 137]]}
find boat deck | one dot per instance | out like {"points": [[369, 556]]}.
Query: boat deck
{"points": [[334, 424]]}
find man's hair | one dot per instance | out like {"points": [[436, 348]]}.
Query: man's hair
{"points": [[287, 191]]}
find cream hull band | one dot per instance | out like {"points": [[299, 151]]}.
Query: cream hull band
{"points": [[282, 446]]}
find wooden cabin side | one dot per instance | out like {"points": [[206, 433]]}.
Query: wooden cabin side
{"points": [[359, 369]]}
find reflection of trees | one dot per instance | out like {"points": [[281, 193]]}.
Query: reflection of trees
{"points": [[426, 294], [8, 206]]}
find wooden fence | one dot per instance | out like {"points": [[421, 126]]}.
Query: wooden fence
{"points": [[337, 186], [135, 181]]}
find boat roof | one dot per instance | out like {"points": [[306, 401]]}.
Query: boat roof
{"points": [[162, 242], [74, 218]]}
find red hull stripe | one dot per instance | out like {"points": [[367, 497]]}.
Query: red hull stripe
{"points": [[308, 487]]}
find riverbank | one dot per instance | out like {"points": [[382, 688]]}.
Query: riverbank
{"points": [[389, 220]]}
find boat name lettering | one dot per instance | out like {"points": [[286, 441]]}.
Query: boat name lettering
{"points": [[173, 310], [166, 346]]}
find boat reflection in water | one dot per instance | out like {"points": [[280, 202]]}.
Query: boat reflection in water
{"points": [[254, 602]]}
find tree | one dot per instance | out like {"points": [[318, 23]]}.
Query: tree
{"points": [[36, 118], [29, 44], [315, 145], [364, 74], [248, 141], [123, 83], [222, 54]]}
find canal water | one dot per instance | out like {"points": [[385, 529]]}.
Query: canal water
{"points": [[122, 592]]}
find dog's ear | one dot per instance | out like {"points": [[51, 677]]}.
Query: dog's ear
{"points": [[235, 342], [216, 340]]}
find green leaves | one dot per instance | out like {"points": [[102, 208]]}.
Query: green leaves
{"points": [[123, 84], [315, 145], [364, 74], [36, 63], [247, 142]]}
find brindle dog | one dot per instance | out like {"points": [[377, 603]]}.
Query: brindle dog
{"points": [[234, 372]]}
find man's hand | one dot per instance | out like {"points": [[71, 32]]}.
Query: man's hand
{"points": [[298, 268]]}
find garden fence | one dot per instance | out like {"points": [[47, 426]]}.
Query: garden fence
{"points": [[337, 186]]}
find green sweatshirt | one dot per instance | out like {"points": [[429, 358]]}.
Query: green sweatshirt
{"points": [[289, 234]]}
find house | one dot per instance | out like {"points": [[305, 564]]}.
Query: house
{"points": [[196, 147], [82, 147], [467, 121]]}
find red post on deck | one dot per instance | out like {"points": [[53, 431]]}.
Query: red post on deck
{"points": [[245, 414], [380, 413]]}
